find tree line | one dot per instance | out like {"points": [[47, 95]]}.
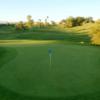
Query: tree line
{"points": [[30, 23], [76, 21], [66, 23]]}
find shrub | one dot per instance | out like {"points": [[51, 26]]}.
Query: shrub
{"points": [[95, 34]]}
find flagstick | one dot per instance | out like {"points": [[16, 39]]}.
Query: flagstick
{"points": [[50, 55], [50, 59]]}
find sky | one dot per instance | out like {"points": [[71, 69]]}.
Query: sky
{"points": [[17, 10]]}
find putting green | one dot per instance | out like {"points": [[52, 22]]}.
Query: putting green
{"points": [[75, 70]]}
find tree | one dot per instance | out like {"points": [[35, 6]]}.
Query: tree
{"points": [[39, 22], [95, 34], [62, 23], [53, 23], [70, 22], [30, 22], [29, 17], [20, 26], [46, 21], [79, 21], [88, 20]]}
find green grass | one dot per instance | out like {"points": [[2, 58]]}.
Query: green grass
{"points": [[6, 55], [86, 28], [8, 33], [25, 72], [26, 42], [74, 74]]}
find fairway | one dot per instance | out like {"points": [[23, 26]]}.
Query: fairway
{"points": [[74, 72]]}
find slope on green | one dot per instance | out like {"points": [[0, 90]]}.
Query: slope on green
{"points": [[74, 74]]}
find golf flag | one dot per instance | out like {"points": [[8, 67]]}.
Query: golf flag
{"points": [[50, 51], [50, 54]]}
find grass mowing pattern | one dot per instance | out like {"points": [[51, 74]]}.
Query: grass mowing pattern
{"points": [[74, 74], [46, 36], [26, 42]]}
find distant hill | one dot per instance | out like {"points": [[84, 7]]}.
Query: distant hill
{"points": [[86, 28]]}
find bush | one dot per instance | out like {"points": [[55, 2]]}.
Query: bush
{"points": [[95, 34]]}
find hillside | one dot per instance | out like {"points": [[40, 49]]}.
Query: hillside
{"points": [[72, 35]]}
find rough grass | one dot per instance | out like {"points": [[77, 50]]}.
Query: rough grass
{"points": [[86, 28], [74, 74]]}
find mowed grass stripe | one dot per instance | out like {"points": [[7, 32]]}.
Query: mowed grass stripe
{"points": [[18, 42]]}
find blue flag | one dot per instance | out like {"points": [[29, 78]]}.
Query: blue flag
{"points": [[50, 51]]}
